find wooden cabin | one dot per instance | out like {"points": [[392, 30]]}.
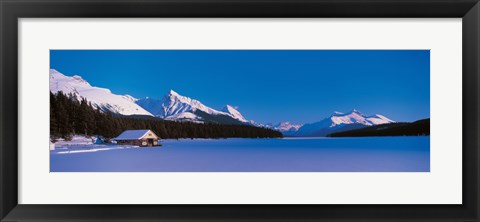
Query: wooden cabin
{"points": [[138, 138]]}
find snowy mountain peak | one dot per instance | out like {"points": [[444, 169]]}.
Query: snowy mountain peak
{"points": [[355, 111], [55, 73], [172, 93], [173, 103], [287, 126], [234, 113], [379, 119], [356, 117], [62, 80], [101, 98], [174, 96], [229, 107], [338, 121], [174, 106]]}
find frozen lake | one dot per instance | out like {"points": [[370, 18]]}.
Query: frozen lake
{"points": [[368, 154]]}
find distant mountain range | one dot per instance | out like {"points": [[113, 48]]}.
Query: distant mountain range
{"points": [[340, 122], [175, 107], [417, 128]]}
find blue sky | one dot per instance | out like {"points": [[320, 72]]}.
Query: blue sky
{"points": [[268, 86]]}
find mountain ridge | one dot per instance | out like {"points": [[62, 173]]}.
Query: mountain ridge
{"points": [[101, 98], [339, 121], [176, 107], [416, 128]]}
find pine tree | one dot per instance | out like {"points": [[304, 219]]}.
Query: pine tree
{"points": [[70, 115]]}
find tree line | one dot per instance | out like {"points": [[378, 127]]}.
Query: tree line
{"points": [[70, 115], [417, 128]]}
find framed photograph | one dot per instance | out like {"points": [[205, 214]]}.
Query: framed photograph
{"points": [[224, 110]]}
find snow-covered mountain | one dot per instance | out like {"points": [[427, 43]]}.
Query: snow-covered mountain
{"points": [[174, 106], [100, 98], [234, 113], [341, 121], [287, 126], [355, 116]]}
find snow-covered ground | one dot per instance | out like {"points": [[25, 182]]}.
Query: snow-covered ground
{"points": [[88, 148], [82, 144], [77, 140], [368, 154]]}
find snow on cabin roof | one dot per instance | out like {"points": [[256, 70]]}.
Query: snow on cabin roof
{"points": [[132, 134]]}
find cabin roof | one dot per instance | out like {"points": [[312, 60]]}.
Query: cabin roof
{"points": [[132, 134]]}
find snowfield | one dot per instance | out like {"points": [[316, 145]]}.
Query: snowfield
{"points": [[82, 144], [77, 140], [89, 148], [373, 154]]}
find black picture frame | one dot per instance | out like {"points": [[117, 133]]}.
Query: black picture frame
{"points": [[12, 10]]}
